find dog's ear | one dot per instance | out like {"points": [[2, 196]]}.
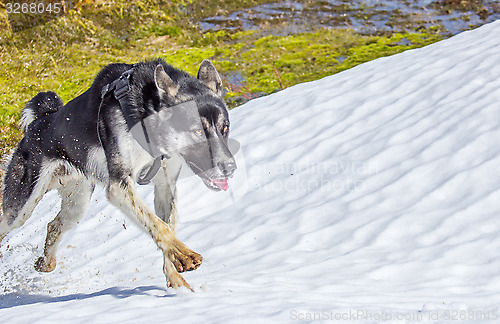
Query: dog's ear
{"points": [[210, 77], [164, 83]]}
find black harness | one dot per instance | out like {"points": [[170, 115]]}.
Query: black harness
{"points": [[120, 88]]}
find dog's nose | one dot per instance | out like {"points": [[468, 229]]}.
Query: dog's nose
{"points": [[227, 168]]}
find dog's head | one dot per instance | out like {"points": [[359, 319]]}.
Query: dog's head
{"points": [[193, 123]]}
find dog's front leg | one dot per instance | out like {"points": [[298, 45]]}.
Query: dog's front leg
{"points": [[166, 192], [176, 255]]}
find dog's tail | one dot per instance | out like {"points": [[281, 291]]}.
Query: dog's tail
{"points": [[41, 105]]}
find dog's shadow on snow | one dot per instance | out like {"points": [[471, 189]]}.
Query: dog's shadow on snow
{"points": [[20, 299]]}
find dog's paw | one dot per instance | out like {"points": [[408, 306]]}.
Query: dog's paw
{"points": [[41, 265], [185, 259], [176, 281]]}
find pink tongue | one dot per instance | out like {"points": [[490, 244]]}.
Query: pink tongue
{"points": [[221, 183]]}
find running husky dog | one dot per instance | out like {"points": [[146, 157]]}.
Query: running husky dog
{"points": [[94, 139]]}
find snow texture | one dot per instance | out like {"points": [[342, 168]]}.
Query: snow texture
{"points": [[368, 196]]}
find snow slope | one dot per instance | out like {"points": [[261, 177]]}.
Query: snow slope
{"points": [[372, 195]]}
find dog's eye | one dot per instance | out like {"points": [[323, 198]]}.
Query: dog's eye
{"points": [[225, 130], [198, 132]]}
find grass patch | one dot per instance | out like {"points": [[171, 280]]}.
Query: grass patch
{"points": [[64, 54], [271, 63]]}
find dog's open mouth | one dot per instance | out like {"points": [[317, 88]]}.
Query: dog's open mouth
{"points": [[215, 184]]}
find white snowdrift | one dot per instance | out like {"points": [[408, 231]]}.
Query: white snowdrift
{"points": [[371, 195]]}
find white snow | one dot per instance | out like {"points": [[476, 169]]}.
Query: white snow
{"points": [[372, 195]]}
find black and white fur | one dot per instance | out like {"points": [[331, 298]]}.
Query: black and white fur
{"points": [[86, 142]]}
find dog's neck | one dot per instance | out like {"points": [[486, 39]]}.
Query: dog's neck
{"points": [[120, 89]]}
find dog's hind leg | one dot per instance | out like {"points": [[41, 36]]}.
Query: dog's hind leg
{"points": [[25, 183], [75, 195], [176, 255], [166, 192]]}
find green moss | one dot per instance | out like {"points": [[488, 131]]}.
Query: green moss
{"points": [[65, 54], [385, 46], [272, 62]]}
